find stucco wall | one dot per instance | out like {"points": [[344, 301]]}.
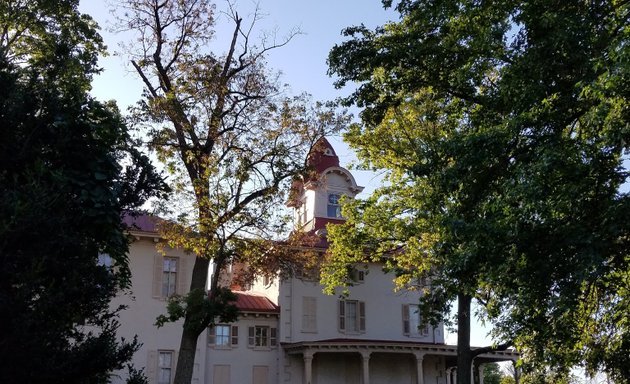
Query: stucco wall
{"points": [[143, 308], [241, 359], [383, 310]]}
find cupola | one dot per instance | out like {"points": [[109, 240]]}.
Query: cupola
{"points": [[315, 198]]}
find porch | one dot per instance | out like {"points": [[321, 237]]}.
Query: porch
{"points": [[374, 362]]}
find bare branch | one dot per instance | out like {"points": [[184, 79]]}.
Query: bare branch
{"points": [[146, 81]]}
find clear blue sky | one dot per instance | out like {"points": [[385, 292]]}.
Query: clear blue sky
{"points": [[302, 62]]}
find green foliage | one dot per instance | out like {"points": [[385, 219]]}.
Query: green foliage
{"points": [[135, 376], [62, 194], [502, 127], [229, 135], [201, 311], [492, 374], [549, 377]]}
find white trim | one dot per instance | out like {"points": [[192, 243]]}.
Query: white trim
{"points": [[344, 172]]}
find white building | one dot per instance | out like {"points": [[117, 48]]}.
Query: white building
{"points": [[288, 331]]}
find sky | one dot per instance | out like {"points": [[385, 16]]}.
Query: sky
{"points": [[302, 62]]}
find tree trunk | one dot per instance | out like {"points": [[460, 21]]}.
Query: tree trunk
{"points": [[190, 333], [464, 354], [186, 357]]}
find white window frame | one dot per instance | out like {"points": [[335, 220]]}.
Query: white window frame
{"points": [[176, 275], [229, 340], [170, 276], [346, 323], [413, 326], [333, 205], [262, 337], [162, 367]]}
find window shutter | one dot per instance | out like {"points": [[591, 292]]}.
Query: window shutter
{"points": [[152, 360], [260, 374], [235, 335], [273, 337], [158, 268], [182, 275], [309, 314], [174, 365], [250, 339], [221, 374], [342, 315], [405, 317], [362, 316], [211, 335]]}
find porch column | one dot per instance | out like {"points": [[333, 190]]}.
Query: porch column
{"points": [[308, 367], [419, 367], [480, 372], [365, 355], [448, 375]]}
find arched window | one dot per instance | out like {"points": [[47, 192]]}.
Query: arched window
{"points": [[334, 209]]}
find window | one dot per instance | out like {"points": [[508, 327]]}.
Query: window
{"points": [[262, 337], [307, 274], [169, 276], [351, 316], [334, 209], [222, 335], [412, 322], [301, 212], [221, 374], [165, 367], [357, 276], [309, 314], [260, 374]]}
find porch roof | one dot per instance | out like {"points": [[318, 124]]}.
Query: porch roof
{"points": [[389, 346], [255, 302]]}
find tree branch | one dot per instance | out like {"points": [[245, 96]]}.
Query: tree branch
{"points": [[480, 351]]}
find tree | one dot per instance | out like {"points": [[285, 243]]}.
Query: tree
{"points": [[231, 139], [502, 127], [492, 373], [62, 193], [541, 376], [507, 380]]}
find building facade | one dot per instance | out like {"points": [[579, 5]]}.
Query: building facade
{"points": [[288, 331]]}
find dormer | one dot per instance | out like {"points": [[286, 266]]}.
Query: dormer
{"points": [[315, 198]]}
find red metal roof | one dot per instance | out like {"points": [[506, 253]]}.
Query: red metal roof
{"points": [[255, 302], [141, 222], [323, 156]]}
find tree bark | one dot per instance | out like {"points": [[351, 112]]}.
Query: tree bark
{"points": [[190, 333], [186, 357], [464, 353]]}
